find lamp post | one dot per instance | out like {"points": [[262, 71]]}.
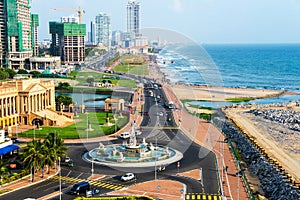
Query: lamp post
{"points": [[92, 170], [34, 131], [155, 171], [87, 126], [17, 129], [59, 178]]}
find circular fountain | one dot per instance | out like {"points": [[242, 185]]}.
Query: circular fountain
{"points": [[132, 154]]}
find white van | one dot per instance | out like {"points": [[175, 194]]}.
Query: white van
{"points": [[125, 135]]}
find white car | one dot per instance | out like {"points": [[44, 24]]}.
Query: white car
{"points": [[161, 114], [125, 135], [138, 132], [67, 159], [128, 177]]}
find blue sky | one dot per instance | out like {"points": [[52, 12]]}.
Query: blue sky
{"points": [[204, 21]]}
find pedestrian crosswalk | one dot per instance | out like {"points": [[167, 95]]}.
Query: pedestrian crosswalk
{"points": [[160, 127], [202, 196], [103, 184]]}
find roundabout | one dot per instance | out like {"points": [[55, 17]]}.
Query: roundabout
{"points": [[133, 154]]}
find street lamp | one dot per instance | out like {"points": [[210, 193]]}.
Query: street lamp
{"points": [[92, 170], [87, 126], [155, 171], [59, 178], [17, 129]]}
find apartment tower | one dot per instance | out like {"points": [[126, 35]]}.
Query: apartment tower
{"points": [[103, 29], [133, 17], [15, 30]]}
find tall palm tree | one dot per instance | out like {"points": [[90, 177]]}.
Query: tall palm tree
{"points": [[54, 149], [33, 156]]}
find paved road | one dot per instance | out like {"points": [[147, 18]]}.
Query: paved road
{"points": [[194, 157]]}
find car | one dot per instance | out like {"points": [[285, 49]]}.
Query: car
{"points": [[67, 159], [128, 177], [125, 135], [138, 132], [81, 187], [161, 114]]}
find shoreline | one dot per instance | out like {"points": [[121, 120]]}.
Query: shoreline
{"points": [[212, 93]]}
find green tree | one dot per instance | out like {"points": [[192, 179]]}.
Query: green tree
{"points": [[11, 73], [22, 71], [35, 74], [4, 171], [33, 157], [3, 74], [63, 86], [53, 148], [66, 100], [90, 80]]}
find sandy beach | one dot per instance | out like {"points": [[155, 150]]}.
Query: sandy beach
{"points": [[217, 94]]}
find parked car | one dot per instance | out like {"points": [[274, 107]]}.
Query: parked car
{"points": [[125, 135], [67, 159], [128, 177], [81, 187], [161, 114]]}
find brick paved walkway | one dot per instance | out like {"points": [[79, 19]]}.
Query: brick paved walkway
{"points": [[205, 134]]}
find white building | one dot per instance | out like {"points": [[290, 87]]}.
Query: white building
{"points": [[133, 17], [116, 38], [103, 29]]}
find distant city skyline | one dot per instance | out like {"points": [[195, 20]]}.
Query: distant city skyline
{"points": [[204, 21]]}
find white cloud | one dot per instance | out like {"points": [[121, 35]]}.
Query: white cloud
{"points": [[177, 6]]}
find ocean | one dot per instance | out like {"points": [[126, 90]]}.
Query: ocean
{"points": [[261, 66]]}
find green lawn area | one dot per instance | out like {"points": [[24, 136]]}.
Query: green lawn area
{"points": [[78, 130], [241, 99], [141, 70], [82, 77]]}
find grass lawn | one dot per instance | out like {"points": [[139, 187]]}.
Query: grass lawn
{"points": [[240, 99], [81, 77], [78, 130], [141, 70]]}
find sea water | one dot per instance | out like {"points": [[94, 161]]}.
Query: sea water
{"points": [[262, 66], [257, 66]]}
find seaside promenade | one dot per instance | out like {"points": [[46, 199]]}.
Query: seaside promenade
{"points": [[206, 135]]}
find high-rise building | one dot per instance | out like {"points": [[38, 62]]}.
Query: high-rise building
{"points": [[103, 32], [92, 33], [117, 38], [15, 30], [34, 31], [3, 40], [133, 17], [68, 41]]}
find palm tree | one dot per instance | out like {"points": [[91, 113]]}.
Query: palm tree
{"points": [[33, 156], [54, 148]]}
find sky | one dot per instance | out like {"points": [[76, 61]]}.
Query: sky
{"points": [[203, 21]]}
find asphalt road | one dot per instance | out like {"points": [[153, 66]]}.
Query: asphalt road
{"points": [[194, 157]]}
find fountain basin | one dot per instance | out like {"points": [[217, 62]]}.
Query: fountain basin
{"points": [[133, 156]]}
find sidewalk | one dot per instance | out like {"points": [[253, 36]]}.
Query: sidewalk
{"points": [[26, 181], [205, 134]]}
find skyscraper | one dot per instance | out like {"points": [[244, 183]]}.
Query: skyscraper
{"points": [[15, 33], [103, 32], [68, 41], [133, 17], [34, 31], [92, 33]]}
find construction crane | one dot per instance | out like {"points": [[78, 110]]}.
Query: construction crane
{"points": [[79, 12]]}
